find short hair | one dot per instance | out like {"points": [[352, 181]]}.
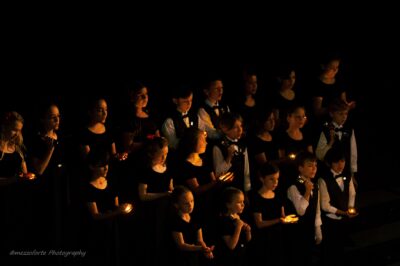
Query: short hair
{"points": [[182, 92], [178, 192], [228, 120], [227, 196], [334, 155], [338, 105], [268, 168], [305, 156]]}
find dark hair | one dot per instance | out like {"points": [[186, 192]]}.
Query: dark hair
{"points": [[228, 120], [188, 142], [334, 155], [305, 156], [98, 159], [261, 117], [227, 196], [152, 147], [338, 105], [182, 92], [268, 168], [178, 192]]}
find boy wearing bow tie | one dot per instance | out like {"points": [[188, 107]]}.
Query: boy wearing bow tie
{"points": [[337, 204], [339, 133]]}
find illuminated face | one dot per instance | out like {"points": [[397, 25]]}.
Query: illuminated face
{"points": [[184, 104], [298, 118], [309, 169], [331, 69], [100, 170], [201, 143], [161, 157], [100, 112], [186, 203], [251, 85], [237, 204], [15, 130], [338, 166], [269, 124], [52, 121], [235, 132], [339, 117], [142, 98], [214, 93], [288, 83], [271, 181]]}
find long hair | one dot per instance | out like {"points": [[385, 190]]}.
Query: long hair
{"points": [[7, 122]]}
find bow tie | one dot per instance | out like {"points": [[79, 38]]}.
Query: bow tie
{"points": [[340, 176], [185, 116], [337, 129], [215, 107]]}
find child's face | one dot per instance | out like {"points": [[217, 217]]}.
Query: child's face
{"points": [[201, 143], [99, 113], [161, 157], [52, 119], [235, 132], [338, 166], [100, 171], [298, 118], [186, 203], [237, 204], [290, 81], [331, 69], [14, 131], [308, 169], [270, 181], [142, 98], [184, 104], [339, 117], [215, 91], [269, 124], [251, 85]]}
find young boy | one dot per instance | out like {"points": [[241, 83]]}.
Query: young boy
{"points": [[181, 118], [338, 133], [337, 203], [304, 195], [230, 153]]}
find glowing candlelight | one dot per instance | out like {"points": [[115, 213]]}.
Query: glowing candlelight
{"points": [[128, 208], [352, 210], [291, 219], [30, 176], [292, 156]]}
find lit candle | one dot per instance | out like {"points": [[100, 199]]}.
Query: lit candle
{"points": [[30, 176], [352, 210], [128, 208], [292, 156]]}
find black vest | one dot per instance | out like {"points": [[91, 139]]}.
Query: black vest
{"points": [[338, 198], [308, 219], [222, 108], [237, 161], [179, 124]]}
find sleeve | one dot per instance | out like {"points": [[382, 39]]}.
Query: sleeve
{"points": [[318, 220], [322, 147], [325, 199], [353, 153], [352, 194], [220, 165], [168, 130], [299, 202], [247, 181], [206, 124]]}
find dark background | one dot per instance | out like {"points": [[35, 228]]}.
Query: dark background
{"points": [[69, 63]]}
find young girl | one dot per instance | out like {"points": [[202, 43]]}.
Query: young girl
{"points": [[268, 213], [155, 187], [103, 206], [233, 233], [186, 233]]}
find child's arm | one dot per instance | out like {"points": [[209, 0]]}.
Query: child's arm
{"points": [[145, 196], [260, 223], [180, 242], [232, 240], [168, 130], [221, 164], [318, 222], [93, 210], [299, 201], [353, 153]]}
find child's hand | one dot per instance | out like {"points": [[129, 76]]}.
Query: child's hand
{"points": [[246, 227], [309, 185], [126, 208], [208, 252]]}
